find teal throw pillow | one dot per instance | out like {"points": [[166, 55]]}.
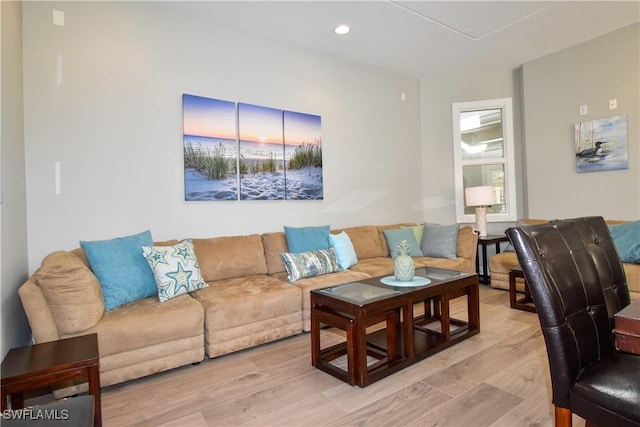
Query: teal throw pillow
{"points": [[345, 252], [440, 241], [121, 269], [627, 240], [303, 239], [396, 235], [175, 269], [310, 263]]}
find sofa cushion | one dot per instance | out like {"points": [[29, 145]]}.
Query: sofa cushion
{"points": [[121, 269], [246, 300], [440, 241], [274, 244], [227, 257], [374, 267], [303, 239], [72, 292], [148, 323], [627, 240], [310, 263], [345, 252], [366, 241], [175, 269]]}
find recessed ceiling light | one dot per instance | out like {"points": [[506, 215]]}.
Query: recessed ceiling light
{"points": [[342, 29]]}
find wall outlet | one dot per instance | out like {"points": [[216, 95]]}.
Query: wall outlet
{"points": [[613, 104], [583, 110]]}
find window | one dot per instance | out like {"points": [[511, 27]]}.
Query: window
{"points": [[483, 156]]}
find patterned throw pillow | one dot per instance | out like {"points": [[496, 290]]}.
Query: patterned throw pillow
{"points": [[310, 263], [175, 269]]}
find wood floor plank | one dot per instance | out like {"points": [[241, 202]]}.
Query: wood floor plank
{"points": [[255, 405], [163, 404], [316, 410], [459, 377], [480, 406], [399, 408]]}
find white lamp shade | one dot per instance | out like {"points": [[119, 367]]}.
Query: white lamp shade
{"points": [[480, 196]]}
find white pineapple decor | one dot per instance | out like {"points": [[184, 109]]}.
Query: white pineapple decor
{"points": [[403, 267]]}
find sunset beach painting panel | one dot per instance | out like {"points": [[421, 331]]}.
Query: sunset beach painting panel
{"points": [[303, 156], [210, 149], [261, 163]]}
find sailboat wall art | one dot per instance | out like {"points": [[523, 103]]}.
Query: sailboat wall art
{"points": [[237, 151], [601, 144]]}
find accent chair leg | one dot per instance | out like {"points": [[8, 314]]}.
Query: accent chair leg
{"points": [[563, 417]]}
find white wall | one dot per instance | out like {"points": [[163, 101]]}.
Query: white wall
{"points": [[555, 86], [13, 220], [103, 97]]}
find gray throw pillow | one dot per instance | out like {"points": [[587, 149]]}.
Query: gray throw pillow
{"points": [[440, 241]]}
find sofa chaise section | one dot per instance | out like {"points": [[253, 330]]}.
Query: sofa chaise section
{"points": [[137, 339], [244, 306]]}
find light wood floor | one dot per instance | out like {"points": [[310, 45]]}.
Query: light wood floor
{"points": [[499, 377]]}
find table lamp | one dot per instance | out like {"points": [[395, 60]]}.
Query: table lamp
{"points": [[480, 197]]}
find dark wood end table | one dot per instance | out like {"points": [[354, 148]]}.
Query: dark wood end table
{"points": [[41, 365], [526, 302], [483, 241]]}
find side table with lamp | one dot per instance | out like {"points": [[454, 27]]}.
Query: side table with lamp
{"points": [[481, 197]]}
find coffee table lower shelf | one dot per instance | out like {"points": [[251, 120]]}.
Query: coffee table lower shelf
{"points": [[427, 341]]}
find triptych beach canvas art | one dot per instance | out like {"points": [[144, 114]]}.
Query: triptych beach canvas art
{"points": [[237, 151], [601, 144]]}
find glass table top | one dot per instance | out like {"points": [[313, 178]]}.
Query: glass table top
{"points": [[361, 292]]}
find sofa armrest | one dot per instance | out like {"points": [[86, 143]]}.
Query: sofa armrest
{"points": [[467, 248], [43, 327]]}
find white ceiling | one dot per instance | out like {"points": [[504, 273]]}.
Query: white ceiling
{"points": [[421, 38]]}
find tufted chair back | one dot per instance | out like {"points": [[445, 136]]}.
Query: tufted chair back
{"points": [[596, 235], [566, 288]]}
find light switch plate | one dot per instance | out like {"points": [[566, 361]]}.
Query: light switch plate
{"points": [[613, 104], [583, 110]]}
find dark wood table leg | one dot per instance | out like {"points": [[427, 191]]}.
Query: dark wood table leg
{"points": [[360, 341], [445, 323], [94, 389], [407, 330]]}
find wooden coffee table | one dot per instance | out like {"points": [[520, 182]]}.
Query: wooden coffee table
{"points": [[41, 365], [405, 339]]}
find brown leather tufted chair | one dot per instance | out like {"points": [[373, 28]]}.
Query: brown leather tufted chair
{"points": [[595, 233], [568, 281]]}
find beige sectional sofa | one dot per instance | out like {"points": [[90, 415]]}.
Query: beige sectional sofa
{"points": [[500, 265], [248, 301]]}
